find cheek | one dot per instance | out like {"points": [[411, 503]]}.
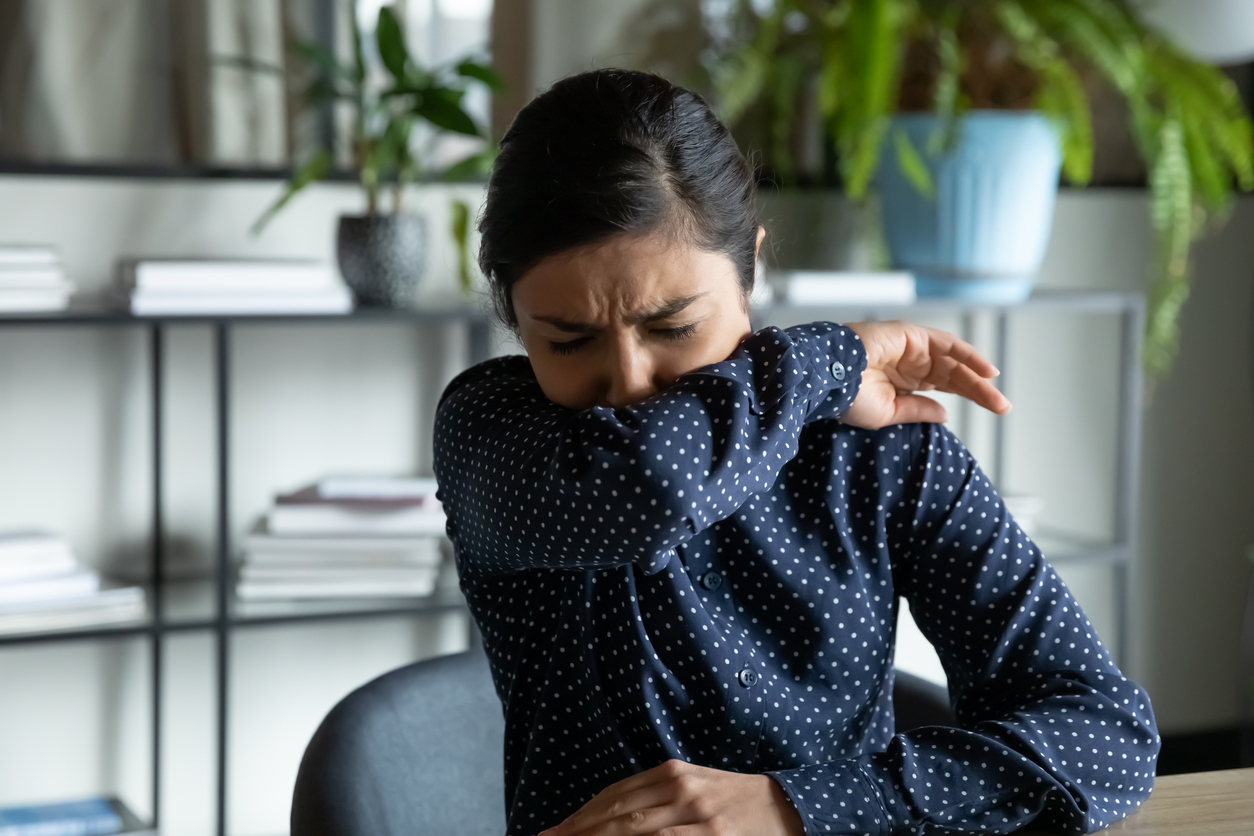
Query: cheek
{"points": [[564, 380], [710, 346]]}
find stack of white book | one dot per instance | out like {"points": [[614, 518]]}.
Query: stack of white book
{"points": [[843, 287], [185, 287], [31, 279], [43, 587], [347, 537]]}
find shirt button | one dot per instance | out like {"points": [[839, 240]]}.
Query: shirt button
{"points": [[748, 677], [838, 370], [711, 580]]}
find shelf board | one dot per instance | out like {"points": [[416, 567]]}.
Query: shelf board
{"points": [[256, 613], [91, 310], [97, 310], [1064, 547], [115, 630], [1041, 301], [189, 606]]}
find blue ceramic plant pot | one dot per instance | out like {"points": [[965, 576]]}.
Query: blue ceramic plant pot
{"points": [[982, 236]]}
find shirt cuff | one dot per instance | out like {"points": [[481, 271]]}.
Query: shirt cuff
{"points": [[837, 372], [835, 797]]}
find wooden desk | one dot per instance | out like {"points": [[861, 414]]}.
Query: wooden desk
{"points": [[1198, 804]]}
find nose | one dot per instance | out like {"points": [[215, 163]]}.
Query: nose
{"points": [[630, 374]]}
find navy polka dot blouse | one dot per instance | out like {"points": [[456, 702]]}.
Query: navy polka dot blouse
{"points": [[713, 575]]}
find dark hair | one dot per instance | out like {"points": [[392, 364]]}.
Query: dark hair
{"points": [[608, 152]]}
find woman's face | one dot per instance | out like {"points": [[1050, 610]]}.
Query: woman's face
{"points": [[612, 323]]}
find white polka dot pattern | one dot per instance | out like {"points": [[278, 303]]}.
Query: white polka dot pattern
{"points": [[713, 575]]}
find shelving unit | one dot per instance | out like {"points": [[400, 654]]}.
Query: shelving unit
{"points": [[175, 607], [181, 606]]}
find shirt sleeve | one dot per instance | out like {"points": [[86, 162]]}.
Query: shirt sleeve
{"points": [[529, 484], [1049, 730]]}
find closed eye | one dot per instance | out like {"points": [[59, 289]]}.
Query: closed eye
{"points": [[568, 346], [679, 332]]}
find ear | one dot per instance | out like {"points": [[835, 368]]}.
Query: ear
{"points": [[757, 248]]}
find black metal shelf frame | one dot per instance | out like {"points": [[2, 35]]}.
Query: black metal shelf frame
{"points": [[224, 620], [1118, 553]]}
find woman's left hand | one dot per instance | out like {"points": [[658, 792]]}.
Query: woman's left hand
{"points": [[681, 799], [903, 358]]}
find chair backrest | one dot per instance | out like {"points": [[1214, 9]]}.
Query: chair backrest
{"points": [[418, 751], [414, 752]]}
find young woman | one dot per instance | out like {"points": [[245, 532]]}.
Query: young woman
{"points": [[684, 542]]}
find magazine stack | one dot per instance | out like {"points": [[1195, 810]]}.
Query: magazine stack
{"points": [[217, 287], [347, 537], [32, 279], [43, 587]]}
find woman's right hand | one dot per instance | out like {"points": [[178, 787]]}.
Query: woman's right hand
{"points": [[902, 359]]}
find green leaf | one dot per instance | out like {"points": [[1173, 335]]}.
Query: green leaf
{"points": [[324, 90], [947, 82], [391, 43], [442, 108], [1171, 206], [460, 214], [359, 52], [787, 79], [741, 84], [872, 51], [913, 166], [481, 72], [389, 153], [315, 168], [475, 167], [1063, 99]]}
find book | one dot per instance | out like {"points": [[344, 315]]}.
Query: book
{"points": [[31, 299], [266, 550], [211, 277], [28, 546], [17, 571], [377, 487], [31, 277], [313, 495], [83, 817], [72, 584], [109, 605], [335, 299], [413, 586], [837, 287], [28, 255], [355, 519], [331, 575]]}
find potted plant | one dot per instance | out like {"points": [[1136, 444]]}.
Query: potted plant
{"points": [[980, 104], [381, 253]]}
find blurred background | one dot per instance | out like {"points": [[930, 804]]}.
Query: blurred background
{"points": [[165, 129]]}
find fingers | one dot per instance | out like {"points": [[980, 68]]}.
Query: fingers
{"points": [[913, 409], [945, 344], [630, 798], [639, 807], [951, 375]]}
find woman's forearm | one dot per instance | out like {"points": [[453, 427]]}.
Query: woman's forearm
{"points": [[529, 484]]}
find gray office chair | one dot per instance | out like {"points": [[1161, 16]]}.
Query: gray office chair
{"points": [[418, 751]]}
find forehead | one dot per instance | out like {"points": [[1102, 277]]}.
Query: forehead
{"points": [[622, 276]]}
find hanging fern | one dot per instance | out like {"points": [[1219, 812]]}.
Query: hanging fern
{"points": [[871, 58]]}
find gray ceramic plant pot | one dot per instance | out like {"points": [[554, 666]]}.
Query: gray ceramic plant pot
{"points": [[382, 257]]}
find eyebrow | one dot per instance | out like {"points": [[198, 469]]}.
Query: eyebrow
{"points": [[663, 311]]}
